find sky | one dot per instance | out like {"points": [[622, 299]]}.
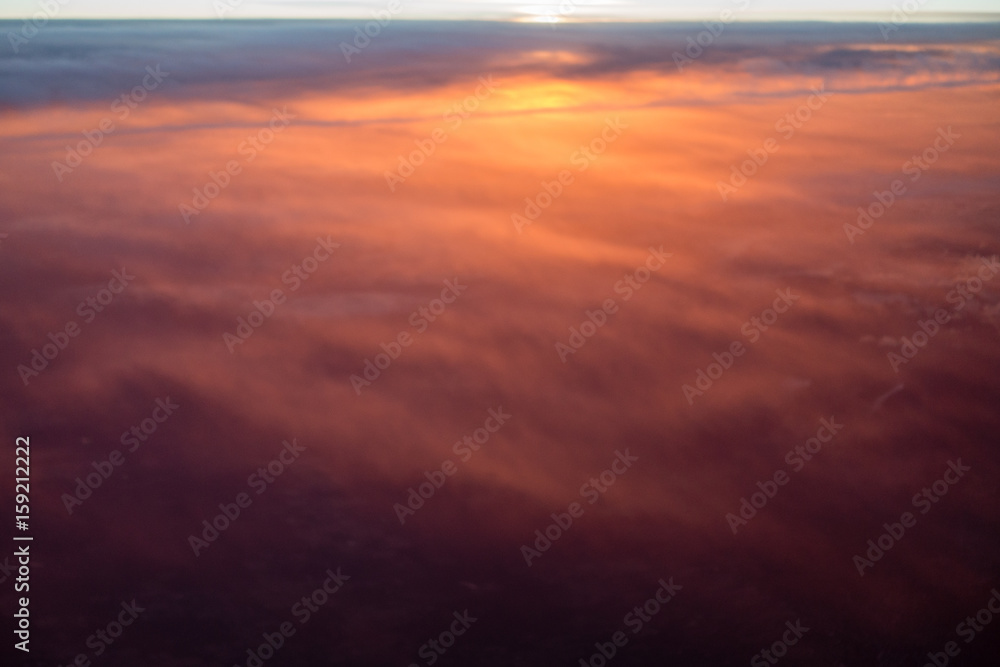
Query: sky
{"points": [[520, 10], [541, 168]]}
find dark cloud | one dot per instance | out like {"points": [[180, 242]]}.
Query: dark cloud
{"points": [[93, 61]]}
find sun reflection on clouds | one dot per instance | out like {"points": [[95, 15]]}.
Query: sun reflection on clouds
{"points": [[537, 14]]}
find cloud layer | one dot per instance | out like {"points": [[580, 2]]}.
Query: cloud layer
{"points": [[656, 183]]}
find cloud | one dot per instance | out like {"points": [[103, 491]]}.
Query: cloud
{"points": [[324, 176], [94, 62]]}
